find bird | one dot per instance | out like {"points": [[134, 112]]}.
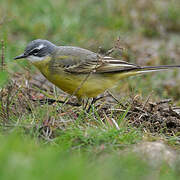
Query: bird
{"points": [[81, 72]]}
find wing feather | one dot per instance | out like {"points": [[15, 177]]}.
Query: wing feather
{"points": [[102, 65], [78, 60]]}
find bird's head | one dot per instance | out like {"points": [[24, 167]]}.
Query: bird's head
{"points": [[37, 50]]}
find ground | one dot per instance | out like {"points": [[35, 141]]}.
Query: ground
{"points": [[132, 133]]}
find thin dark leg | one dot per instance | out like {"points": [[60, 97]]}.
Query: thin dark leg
{"points": [[86, 104], [94, 100]]}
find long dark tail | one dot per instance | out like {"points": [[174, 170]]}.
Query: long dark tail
{"points": [[146, 69], [142, 70]]}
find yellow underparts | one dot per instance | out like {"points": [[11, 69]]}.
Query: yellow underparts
{"points": [[80, 85]]}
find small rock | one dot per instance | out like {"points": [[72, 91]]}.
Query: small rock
{"points": [[156, 153]]}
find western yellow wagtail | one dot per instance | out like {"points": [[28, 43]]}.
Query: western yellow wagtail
{"points": [[81, 72]]}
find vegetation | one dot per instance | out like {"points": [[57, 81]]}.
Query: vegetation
{"points": [[42, 140]]}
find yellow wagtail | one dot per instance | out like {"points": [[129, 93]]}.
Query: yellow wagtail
{"points": [[81, 72]]}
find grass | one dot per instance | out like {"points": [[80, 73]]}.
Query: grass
{"points": [[24, 158], [41, 141], [71, 143]]}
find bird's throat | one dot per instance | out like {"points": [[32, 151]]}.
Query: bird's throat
{"points": [[43, 66]]}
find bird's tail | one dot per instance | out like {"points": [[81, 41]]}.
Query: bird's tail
{"points": [[146, 69], [142, 70]]}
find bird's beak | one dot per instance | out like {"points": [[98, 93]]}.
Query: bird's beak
{"points": [[20, 56]]}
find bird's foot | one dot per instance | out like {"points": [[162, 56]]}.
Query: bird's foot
{"points": [[93, 101]]}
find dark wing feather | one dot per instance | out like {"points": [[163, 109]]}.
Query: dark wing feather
{"points": [[102, 65], [110, 65], [78, 60]]}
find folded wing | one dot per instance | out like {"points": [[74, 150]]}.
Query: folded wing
{"points": [[102, 65]]}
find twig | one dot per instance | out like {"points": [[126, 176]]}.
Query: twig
{"points": [[115, 123], [121, 110], [115, 99], [147, 100], [110, 51], [111, 121], [8, 101], [164, 101], [2, 55], [118, 45], [51, 101], [15, 125]]}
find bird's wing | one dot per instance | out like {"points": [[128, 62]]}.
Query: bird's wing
{"points": [[78, 60], [102, 65]]}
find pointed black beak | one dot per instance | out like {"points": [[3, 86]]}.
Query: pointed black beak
{"points": [[20, 56]]}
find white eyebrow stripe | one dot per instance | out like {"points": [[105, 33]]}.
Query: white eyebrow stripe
{"points": [[40, 46]]}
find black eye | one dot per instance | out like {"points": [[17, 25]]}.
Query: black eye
{"points": [[34, 52]]}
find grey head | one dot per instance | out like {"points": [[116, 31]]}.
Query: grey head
{"points": [[37, 50]]}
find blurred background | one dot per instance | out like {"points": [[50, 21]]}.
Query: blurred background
{"points": [[148, 30], [41, 142]]}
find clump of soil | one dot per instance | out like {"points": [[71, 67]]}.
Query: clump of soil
{"points": [[161, 117]]}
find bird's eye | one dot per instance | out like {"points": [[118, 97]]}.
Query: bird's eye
{"points": [[34, 52]]}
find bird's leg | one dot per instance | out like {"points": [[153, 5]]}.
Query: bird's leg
{"points": [[79, 102], [94, 100], [86, 102], [74, 104]]}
